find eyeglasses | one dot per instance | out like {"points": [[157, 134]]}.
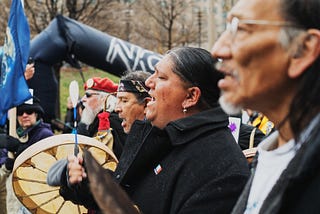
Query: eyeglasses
{"points": [[29, 112], [232, 26], [88, 94]]}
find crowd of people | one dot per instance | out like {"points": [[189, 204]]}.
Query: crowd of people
{"points": [[170, 129]]}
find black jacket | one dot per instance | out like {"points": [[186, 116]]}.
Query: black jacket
{"points": [[119, 137], [298, 187], [244, 136], [192, 166]]}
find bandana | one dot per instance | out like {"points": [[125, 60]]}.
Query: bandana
{"points": [[132, 86]]}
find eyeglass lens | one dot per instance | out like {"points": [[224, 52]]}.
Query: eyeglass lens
{"points": [[20, 113], [88, 94]]}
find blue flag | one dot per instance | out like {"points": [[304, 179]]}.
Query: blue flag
{"points": [[13, 86]]}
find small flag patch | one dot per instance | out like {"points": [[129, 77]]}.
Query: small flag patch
{"points": [[158, 169]]}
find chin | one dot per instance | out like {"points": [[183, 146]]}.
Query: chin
{"points": [[228, 107], [149, 116]]}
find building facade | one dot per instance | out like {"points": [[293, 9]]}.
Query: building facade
{"points": [[213, 16]]}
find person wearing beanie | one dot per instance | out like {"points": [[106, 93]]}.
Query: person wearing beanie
{"points": [[98, 115], [30, 130]]}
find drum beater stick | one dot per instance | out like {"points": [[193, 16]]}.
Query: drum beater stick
{"points": [[74, 96]]}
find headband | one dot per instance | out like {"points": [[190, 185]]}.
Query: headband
{"points": [[133, 86]]}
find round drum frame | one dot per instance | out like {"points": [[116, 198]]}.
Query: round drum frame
{"points": [[31, 167]]}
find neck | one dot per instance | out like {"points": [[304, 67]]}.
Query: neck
{"points": [[282, 124], [285, 134]]}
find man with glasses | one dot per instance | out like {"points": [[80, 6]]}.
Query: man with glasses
{"points": [[98, 114], [269, 54]]}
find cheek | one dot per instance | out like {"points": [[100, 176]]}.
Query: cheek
{"points": [[134, 112], [89, 103], [19, 119], [259, 69], [172, 98], [257, 50], [139, 112], [95, 105], [129, 114]]}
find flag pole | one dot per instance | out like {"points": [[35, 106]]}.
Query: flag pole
{"points": [[12, 126], [12, 114]]}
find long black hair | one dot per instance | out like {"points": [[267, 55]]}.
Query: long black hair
{"points": [[306, 103], [197, 67]]}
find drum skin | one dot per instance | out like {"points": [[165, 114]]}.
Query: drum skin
{"points": [[31, 167]]}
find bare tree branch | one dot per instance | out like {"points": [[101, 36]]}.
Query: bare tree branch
{"points": [[168, 18]]}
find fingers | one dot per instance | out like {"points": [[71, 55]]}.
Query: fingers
{"points": [[75, 169], [29, 72]]}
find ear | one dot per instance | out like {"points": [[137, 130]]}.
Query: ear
{"points": [[192, 97], [307, 52]]}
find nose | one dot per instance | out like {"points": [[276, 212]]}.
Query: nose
{"points": [[149, 82], [83, 99], [117, 108], [222, 47]]}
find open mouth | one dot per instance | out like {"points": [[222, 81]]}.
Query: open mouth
{"points": [[152, 101], [123, 122]]}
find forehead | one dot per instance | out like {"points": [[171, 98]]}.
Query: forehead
{"points": [[126, 95], [256, 9], [164, 64]]}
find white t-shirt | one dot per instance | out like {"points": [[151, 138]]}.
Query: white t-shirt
{"points": [[270, 166]]}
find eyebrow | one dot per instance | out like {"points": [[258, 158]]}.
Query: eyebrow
{"points": [[122, 96]]}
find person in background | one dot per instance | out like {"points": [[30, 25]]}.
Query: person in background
{"points": [[29, 72], [132, 98], [68, 124], [185, 160], [98, 114], [31, 129], [270, 55], [247, 133], [257, 119]]}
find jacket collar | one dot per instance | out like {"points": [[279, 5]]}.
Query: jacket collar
{"points": [[147, 145], [187, 129]]}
